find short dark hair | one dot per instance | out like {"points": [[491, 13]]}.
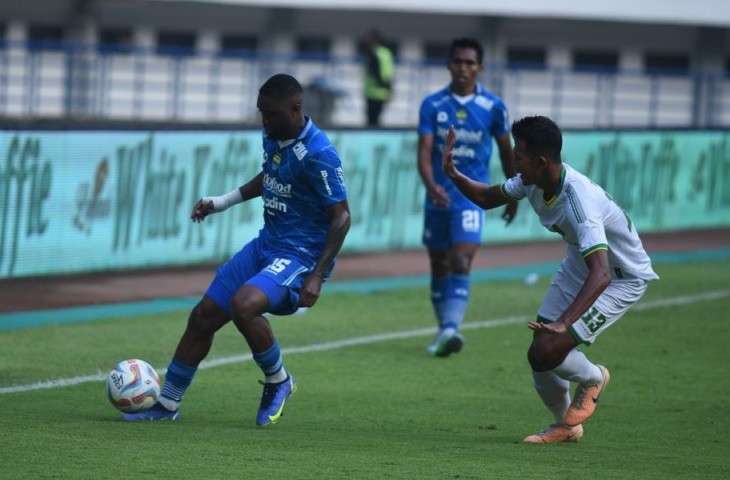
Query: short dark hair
{"points": [[541, 136], [281, 86], [467, 43]]}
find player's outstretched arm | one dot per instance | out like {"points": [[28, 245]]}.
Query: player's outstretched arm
{"points": [[485, 196], [505, 156], [212, 204]]}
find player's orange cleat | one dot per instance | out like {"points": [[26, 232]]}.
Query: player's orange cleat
{"points": [[585, 399], [556, 434]]}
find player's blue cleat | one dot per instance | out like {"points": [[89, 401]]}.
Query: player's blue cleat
{"points": [[157, 412], [273, 399]]}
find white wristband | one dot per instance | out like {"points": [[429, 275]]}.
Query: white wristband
{"points": [[221, 202]]}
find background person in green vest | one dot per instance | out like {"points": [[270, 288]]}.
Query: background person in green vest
{"points": [[379, 69]]}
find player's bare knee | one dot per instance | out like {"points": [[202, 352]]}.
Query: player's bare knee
{"points": [[461, 261], [533, 358], [202, 320], [536, 356], [243, 310], [545, 353], [440, 265]]}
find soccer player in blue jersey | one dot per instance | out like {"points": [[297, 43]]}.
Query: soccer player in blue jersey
{"points": [[452, 223], [306, 218]]}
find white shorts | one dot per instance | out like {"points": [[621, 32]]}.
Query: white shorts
{"points": [[615, 300]]}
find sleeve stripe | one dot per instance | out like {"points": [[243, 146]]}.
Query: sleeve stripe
{"points": [[594, 248], [575, 204]]}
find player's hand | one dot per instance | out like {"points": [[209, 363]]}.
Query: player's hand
{"points": [[201, 210], [438, 196], [447, 156], [309, 293], [554, 328], [509, 212]]}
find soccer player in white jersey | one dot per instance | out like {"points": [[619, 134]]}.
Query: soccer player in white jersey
{"points": [[605, 270], [306, 218]]}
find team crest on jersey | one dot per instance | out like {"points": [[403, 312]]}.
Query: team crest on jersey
{"points": [[461, 115], [277, 158]]}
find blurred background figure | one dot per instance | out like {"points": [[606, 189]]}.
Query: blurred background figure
{"points": [[379, 70]]}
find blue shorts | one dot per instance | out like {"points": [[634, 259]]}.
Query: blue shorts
{"points": [[278, 274], [442, 228]]}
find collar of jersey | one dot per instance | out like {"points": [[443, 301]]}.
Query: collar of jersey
{"points": [[478, 91], [302, 134], [550, 202]]}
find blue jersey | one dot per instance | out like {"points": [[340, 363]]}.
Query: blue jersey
{"points": [[476, 121], [301, 177]]}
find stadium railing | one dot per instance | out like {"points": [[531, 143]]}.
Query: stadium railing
{"points": [[83, 82]]}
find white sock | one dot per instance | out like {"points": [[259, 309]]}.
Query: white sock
{"points": [[169, 403], [577, 368], [554, 392], [278, 377], [448, 331]]}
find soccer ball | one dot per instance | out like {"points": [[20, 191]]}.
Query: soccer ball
{"points": [[133, 386]]}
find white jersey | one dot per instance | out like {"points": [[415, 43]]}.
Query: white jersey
{"points": [[588, 220]]}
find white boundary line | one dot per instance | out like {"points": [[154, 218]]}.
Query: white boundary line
{"points": [[366, 340]]}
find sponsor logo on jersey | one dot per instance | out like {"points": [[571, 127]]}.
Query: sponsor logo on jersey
{"points": [[462, 151], [273, 203], [273, 185], [442, 117], [463, 135], [340, 176], [299, 150], [326, 182]]}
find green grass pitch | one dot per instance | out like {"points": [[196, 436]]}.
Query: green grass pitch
{"points": [[373, 405]]}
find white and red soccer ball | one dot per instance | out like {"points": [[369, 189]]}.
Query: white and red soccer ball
{"points": [[133, 386]]}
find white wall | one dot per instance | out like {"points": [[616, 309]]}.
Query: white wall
{"points": [[697, 12]]}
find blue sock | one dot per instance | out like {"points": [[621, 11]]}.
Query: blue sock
{"points": [[457, 299], [177, 380], [269, 361], [438, 297]]}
